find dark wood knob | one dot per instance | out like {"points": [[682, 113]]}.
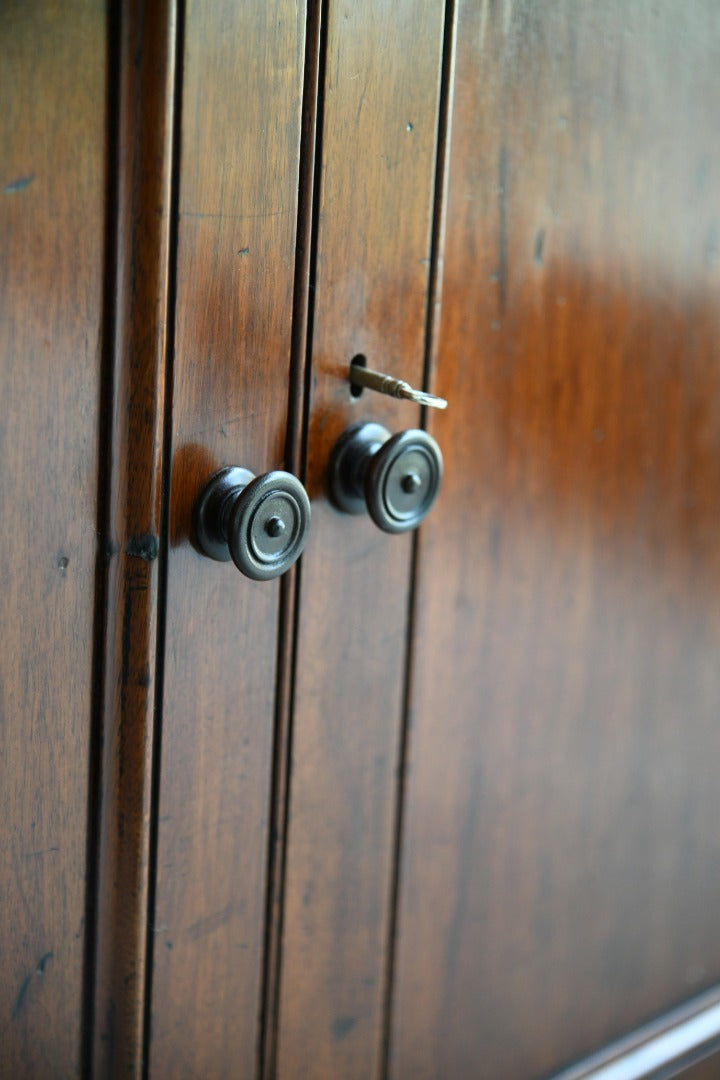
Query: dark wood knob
{"points": [[395, 478], [260, 522]]}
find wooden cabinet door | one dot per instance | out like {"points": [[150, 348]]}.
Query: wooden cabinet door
{"points": [[439, 805], [238, 131], [149, 206], [375, 171], [560, 863]]}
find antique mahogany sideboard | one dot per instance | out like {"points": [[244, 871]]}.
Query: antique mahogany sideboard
{"points": [[436, 804]]}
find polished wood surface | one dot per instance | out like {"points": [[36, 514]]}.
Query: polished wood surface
{"points": [[207, 780], [143, 40], [239, 165], [52, 193], [561, 865], [376, 170]]}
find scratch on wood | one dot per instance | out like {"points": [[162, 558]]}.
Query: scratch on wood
{"points": [[21, 995], [342, 1026], [202, 927], [25, 985], [43, 962], [20, 184]]}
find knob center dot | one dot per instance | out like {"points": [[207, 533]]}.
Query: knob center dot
{"points": [[411, 483], [275, 527]]}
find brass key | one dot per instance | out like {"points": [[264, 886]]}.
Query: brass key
{"points": [[397, 388]]}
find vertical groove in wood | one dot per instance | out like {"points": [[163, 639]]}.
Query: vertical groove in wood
{"points": [[179, 46], [240, 130], [431, 320], [375, 180], [138, 273], [290, 585]]}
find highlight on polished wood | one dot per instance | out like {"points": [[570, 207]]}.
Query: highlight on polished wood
{"points": [[559, 864]]}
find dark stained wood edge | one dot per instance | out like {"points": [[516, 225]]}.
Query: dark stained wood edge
{"points": [[166, 480], [295, 462], [142, 48], [662, 1048], [100, 625], [165, 512], [432, 321]]}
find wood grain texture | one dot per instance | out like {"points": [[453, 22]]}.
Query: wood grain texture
{"points": [[376, 174], [561, 868], [52, 147], [138, 286], [239, 163]]}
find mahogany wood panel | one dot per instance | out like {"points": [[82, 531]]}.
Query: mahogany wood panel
{"points": [[561, 868], [239, 166], [376, 173], [52, 194], [144, 40]]}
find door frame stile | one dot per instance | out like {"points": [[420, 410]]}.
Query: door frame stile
{"points": [[142, 48], [290, 584]]}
